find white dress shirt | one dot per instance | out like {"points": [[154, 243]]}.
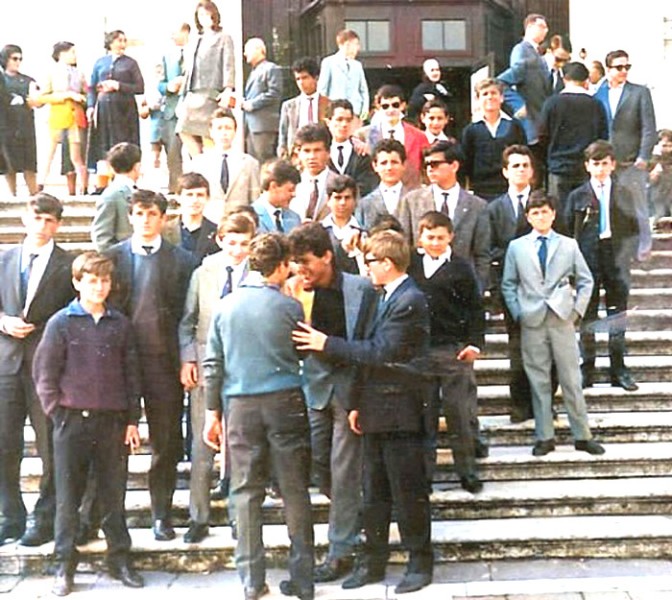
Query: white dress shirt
{"points": [[299, 204], [513, 196], [347, 152], [599, 189], [615, 94], [43, 254], [389, 288], [432, 265], [492, 127], [137, 245], [304, 105], [453, 197], [391, 196]]}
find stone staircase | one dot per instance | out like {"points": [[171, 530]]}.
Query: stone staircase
{"points": [[565, 505]]}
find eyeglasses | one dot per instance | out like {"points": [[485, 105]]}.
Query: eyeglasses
{"points": [[371, 259], [434, 164], [17, 58], [386, 105], [621, 67]]}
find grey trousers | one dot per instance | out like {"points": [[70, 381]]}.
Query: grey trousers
{"points": [[554, 341], [337, 467], [173, 145], [261, 145], [202, 459]]}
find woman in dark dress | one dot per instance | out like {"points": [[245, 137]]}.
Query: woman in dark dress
{"points": [[21, 96], [115, 81], [430, 89]]}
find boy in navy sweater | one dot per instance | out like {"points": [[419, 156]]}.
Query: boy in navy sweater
{"points": [[85, 372]]}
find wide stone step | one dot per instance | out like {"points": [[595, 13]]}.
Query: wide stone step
{"points": [[605, 536], [641, 277]]}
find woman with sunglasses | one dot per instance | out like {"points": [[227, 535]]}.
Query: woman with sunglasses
{"points": [[20, 149]]}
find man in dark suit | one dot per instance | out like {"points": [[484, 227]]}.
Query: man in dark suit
{"points": [[344, 158], [36, 283], [600, 214], [467, 212], [308, 107], [632, 132], [388, 411], [152, 280], [261, 106]]}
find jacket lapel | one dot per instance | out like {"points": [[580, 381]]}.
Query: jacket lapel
{"points": [[623, 99], [352, 296], [461, 208]]}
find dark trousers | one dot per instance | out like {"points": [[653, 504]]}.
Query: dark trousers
{"points": [[18, 399], [394, 473], [85, 440], [264, 429], [560, 185], [519, 385], [162, 395], [615, 281]]}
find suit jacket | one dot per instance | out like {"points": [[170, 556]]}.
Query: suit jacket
{"points": [[172, 67], [529, 294], [111, 223], [205, 244], [388, 393], [582, 219], [244, 183], [360, 169], [203, 295], [324, 379], [175, 268], [53, 293], [632, 130], [372, 206], [290, 219], [299, 203], [289, 122], [215, 64], [504, 227], [471, 225], [529, 73], [264, 90], [338, 80]]}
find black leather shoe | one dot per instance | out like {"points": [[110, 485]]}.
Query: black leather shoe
{"points": [[589, 446], [86, 533], [624, 380], [255, 593], [542, 448], [363, 576], [221, 491], [332, 569], [471, 483], [163, 530], [291, 588], [37, 533], [196, 533], [127, 576], [412, 582], [10, 533], [63, 583], [519, 416], [481, 449]]}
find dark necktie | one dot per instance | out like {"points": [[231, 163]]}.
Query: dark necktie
{"points": [[224, 175], [312, 202], [180, 62], [311, 116], [340, 159], [521, 220], [25, 277], [444, 207], [278, 220], [228, 284], [391, 134], [148, 250], [543, 254]]}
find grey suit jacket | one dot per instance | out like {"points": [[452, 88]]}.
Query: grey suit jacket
{"points": [[264, 90], [632, 130], [372, 206], [215, 65], [337, 81], [529, 294], [111, 223], [289, 122], [471, 224]]}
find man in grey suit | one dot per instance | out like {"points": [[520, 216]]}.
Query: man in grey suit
{"points": [[111, 223], [467, 212], [261, 105], [336, 450], [536, 287], [632, 132]]}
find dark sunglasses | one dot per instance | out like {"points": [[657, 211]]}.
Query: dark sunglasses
{"points": [[434, 163], [386, 105], [621, 67]]}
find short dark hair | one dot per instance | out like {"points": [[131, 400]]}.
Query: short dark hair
{"points": [[191, 181], [388, 145], [314, 132], [538, 199], [279, 171], [339, 103], [340, 183], [211, 7], [433, 219], [596, 64], [123, 157], [575, 71], [267, 252], [516, 149], [60, 47], [223, 113], [427, 106], [385, 223], [7, 51], [451, 151], [306, 64], [110, 36], [92, 262], [599, 150], [390, 90], [532, 17], [310, 237], [46, 204], [613, 55], [147, 199]]}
